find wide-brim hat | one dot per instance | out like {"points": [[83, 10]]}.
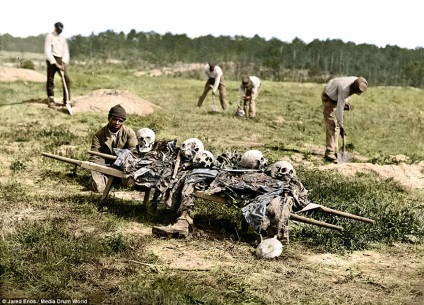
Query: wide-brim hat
{"points": [[361, 84]]}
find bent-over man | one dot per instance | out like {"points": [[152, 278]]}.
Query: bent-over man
{"points": [[248, 91], [334, 98]]}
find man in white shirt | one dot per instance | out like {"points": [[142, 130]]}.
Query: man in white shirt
{"points": [[334, 98], [214, 82], [248, 91], [57, 57]]}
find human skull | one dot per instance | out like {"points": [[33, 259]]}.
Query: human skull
{"points": [[253, 159], [282, 170], [146, 139], [269, 248], [203, 158], [190, 147], [240, 112]]}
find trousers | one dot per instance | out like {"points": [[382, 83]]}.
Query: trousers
{"points": [[332, 129]]}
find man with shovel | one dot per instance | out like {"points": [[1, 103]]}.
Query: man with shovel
{"points": [[214, 82], [334, 98], [57, 57]]}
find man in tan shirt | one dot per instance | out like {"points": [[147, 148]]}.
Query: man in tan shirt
{"points": [[334, 98]]}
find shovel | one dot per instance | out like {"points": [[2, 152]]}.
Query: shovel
{"points": [[68, 105], [343, 156], [214, 107]]}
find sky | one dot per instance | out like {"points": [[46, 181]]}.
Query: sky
{"points": [[374, 22]]}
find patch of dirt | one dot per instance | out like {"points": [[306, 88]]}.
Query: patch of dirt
{"points": [[14, 217], [175, 70], [11, 74], [102, 100], [409, 175]]}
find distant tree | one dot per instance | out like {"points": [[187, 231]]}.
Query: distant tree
{"points": [[269, 59]]}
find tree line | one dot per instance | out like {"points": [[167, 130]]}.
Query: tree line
{"points": [[271, 59]]}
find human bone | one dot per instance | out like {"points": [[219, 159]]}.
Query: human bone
{"points": [[240, 112], [253, 159], [190, 147], [146, 138], [282, 170], [269, 248], [203, 158]]}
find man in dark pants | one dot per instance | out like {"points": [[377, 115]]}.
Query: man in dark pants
{"points": [[214, 82], [57, 57]]}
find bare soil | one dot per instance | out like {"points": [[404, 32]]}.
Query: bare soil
{"points": [[103, 99], [11, 74]]}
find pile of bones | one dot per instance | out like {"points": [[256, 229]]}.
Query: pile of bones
{"points": [[267, 195]]}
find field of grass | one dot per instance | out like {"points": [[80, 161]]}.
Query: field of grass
{"points": [[56, 244]]}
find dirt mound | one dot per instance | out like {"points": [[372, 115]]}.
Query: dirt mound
{"points": [[10, 74], [409, 175], [103, 99]]}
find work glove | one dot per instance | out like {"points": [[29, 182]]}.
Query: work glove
{"points": [[347, 107]]}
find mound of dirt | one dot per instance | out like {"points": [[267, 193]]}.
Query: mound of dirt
{"points": [[103, 99], [409, 175], [10, 74]]}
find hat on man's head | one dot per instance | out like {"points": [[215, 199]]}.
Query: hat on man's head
{"points": [[361, 84], [211, 64], [246, 81], [118, 111], [59, 25]]}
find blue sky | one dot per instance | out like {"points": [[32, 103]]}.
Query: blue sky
{"points": [[374, 22]]}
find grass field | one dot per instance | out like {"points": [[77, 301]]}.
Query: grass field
{"points": [[56, 244]]}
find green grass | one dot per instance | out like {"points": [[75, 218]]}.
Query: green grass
{"points": [[55, 243]]}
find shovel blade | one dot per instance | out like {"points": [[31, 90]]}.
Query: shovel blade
{"points": [[342, 157], [69, 107]]}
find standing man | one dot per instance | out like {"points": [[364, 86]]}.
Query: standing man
{"points": [[249, 90], [57, 57], [215, 82], [334, 98], [113, 135]]}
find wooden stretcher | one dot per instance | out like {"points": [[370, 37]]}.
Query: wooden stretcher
{"points": [[112, 173]]}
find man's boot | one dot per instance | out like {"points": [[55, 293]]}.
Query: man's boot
{"points": [[180, 229]]}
